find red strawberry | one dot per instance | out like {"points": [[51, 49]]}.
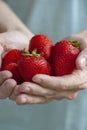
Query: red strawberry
{"points": [[31, 64], [12, 56], [12, 67], [64, 56], [43, 44]]}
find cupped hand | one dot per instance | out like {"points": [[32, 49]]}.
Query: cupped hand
{"points": [[6, 84], [46, 88], [10, 40]]}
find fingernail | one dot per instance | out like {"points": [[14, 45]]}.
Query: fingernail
{"points": [[37, 79], [24, 100], [83, 62]]}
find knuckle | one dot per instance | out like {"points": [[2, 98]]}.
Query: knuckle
{"points": [[4, 75], [7, 82], [10, 82]]}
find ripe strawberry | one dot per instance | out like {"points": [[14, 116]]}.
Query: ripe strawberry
{"points": [[31, 64], [64, 56], [12, 56], [43, 44], [13, 67]]}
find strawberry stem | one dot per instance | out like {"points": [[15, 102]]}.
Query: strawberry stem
{"points": [[33, 53], [75, 44], [24, 51]]}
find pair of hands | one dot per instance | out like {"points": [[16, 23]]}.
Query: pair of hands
{"points": [[44, 88]]}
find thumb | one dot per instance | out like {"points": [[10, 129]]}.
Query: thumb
{"points": [[81, 61]]}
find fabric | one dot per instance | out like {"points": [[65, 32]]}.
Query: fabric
{"points": [[57, 19]]}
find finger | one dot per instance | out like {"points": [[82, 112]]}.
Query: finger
{"points": [[80, 38], [4, 75], [73, 37], [35, 89], [30, 99], [81, 61], [70, 95], [74, 81], [6, 88], [14, 93]]}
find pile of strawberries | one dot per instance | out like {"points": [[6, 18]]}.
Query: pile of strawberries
{"points": [[42, 57]]}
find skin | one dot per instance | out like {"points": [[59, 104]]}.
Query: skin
{"points": [[44, 88], [11, 31], [57, 88]]}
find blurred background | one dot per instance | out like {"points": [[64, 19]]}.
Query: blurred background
{"points": [[57, 19]]}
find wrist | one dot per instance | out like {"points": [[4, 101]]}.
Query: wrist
{"points": [[10, 22]]}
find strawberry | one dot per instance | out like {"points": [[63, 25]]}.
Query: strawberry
{"points": [[31, 64], [12, 56], [12, 67], [43, 44], [63, 58]]}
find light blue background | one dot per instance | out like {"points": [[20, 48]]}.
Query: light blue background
{"points": [[57, 19]]}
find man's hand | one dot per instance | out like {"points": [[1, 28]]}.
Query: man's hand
{"points": [[46, 88], [13, 34], [10, 40], [6, 84]]}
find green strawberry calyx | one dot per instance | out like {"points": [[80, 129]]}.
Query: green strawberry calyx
{"points": [[75, 44], [33, 53]]}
